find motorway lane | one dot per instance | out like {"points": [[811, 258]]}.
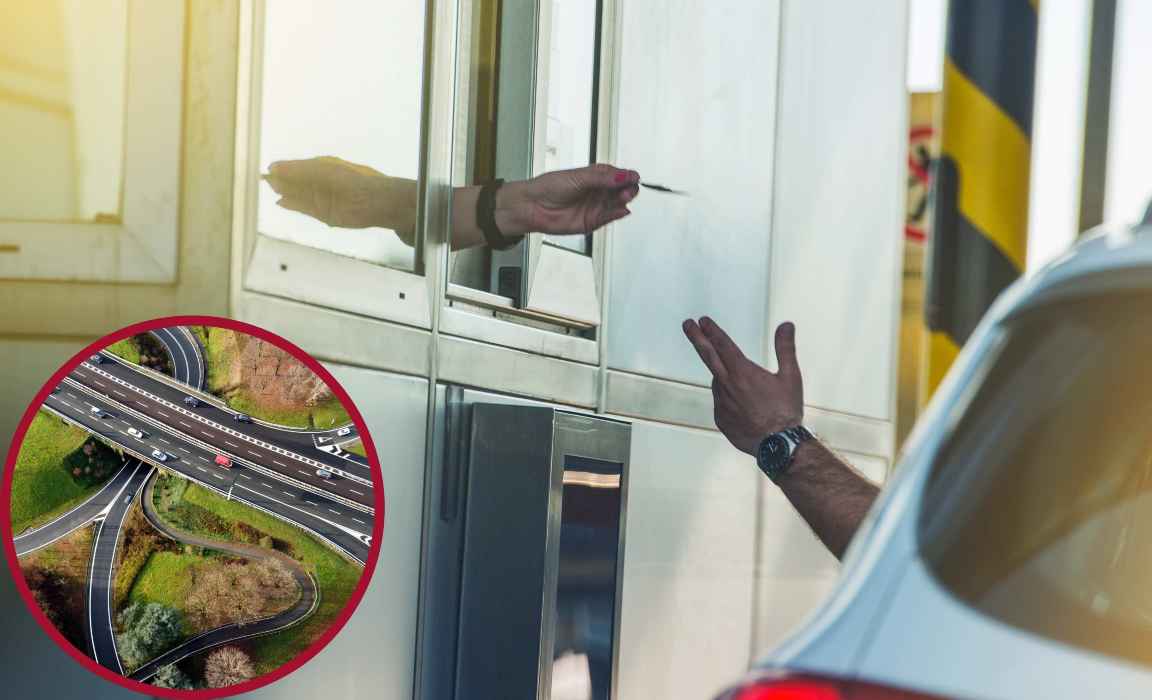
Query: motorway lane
{"points": [[241, 450], [102, 572], [31, 540], [187, 356], [301, 442], [347, 528]]}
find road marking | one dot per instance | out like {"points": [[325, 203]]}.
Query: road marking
{"points": [[254, 454], [301, 471], [358, 493], [229, 442], [286, 493], [202, 469], [119, 393], [359, 521], [283, 465], [71, 394], [217, 476], [184, 424], [161, 413], [202, 459], [164, 441], [141, 403], [183, 450], [266, 484], [334, 511], [311, 503], [243, 476], [205, 433], [97, 382]]}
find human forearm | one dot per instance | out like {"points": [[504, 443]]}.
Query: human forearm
{"points": [[828, 493]]}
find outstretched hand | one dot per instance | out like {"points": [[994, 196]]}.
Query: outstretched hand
{"points": [[344, 194], [574, 201], [749, 402]]}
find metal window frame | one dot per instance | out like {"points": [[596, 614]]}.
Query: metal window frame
{"points": [[142, 246], [268, 266]]}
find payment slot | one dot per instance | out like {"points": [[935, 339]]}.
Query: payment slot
{"points": [[542, 554]]}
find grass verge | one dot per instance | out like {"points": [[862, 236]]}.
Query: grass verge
{"points": [[126, 349], [42, 486], [356, 448], [193, 508]]}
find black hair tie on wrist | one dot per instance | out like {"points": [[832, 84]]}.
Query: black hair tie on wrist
{"points": [[486, 216]]}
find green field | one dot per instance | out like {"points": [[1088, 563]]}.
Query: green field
{"points": [[126, 349], [336, 577], [41, 487], [326, 414], [165, 578], [356, 448]]}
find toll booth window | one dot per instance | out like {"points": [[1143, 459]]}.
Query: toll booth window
{"points": [[1039, 511], [62, 90], [530, 103], [585, 610], [340, 126]]}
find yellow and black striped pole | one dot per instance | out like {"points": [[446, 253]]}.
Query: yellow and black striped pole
{"points": [[979, 235]]}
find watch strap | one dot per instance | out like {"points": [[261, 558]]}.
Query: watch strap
{"points": [[486, 216], [794, 436]]}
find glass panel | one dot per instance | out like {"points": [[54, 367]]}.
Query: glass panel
{"points": [[62, 83], [1130, 140], [1049, 477], [586, 582], [571, 81], [343, 80]]}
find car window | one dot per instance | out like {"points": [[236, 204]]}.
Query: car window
{"points": [[1039, 510]]}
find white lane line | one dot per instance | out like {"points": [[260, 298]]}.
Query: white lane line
{"points": [[229, 442], [141, 403], [69, 405], [119, 393], [205, 433], [266, 484], [161, 413], [311, 503], [359, 521], [217, 476], [71, 394], [164, 441], [186, 425], [254, 454], [286, 493], [301, 471], [243, 476], [97, 382], [181, 449], [202, 469], [358, 493], [202, 459], [283, 465], [334, 511]]}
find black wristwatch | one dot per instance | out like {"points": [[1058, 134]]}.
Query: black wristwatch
{"points": [[774, 455], [486, 217]]}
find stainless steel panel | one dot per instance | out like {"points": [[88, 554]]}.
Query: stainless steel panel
{"points": [[840, 198], [695, 111]]}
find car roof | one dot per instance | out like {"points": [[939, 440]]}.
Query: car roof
{"points": [[1107, 259]]}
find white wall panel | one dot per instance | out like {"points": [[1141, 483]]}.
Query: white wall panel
{"points": [[696, 111], [374, 655], [686, 616], [839, 197]]}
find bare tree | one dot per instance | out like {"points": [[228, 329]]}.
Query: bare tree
{"points": [[228, 666]]}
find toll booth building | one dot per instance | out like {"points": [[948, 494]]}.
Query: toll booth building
{"points": [[563, 520]]}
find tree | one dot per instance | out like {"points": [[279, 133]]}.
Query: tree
{"points": [[171, 677], [240, 592], [228, 666], [148, 630]]}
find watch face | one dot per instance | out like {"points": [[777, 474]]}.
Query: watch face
{"points": [[773, 453]]}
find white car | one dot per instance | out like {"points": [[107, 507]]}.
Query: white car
{"points": [[323, 473], [162, 456], [99, 412], [137, 433], [1008, 557], [346, 430]]}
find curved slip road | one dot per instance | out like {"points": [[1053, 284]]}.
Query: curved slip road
{"points": [[186, 353], [305, 606], [102, 570]]}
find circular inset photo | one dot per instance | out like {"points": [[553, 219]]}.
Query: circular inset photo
{"points": [[194, 507]]}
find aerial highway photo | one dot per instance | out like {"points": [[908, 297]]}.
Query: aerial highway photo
{"points": [[193, 507]]}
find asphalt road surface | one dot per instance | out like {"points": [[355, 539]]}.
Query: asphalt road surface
{"points": [[187, 356]]}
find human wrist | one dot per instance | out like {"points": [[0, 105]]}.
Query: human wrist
{"points": [[513, 209]]}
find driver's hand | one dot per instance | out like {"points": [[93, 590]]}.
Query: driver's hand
{"points": [[344, 194], [749, 402]]}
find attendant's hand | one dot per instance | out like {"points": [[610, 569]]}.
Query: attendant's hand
{"points": [[574, 201], [749, 402], [344, 194]]}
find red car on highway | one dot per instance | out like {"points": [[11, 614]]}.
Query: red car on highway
{"points": [[223, 461]]}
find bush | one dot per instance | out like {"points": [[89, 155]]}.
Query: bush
{"points": [[228, 666], [92, 463], [171, 677], [148, 630], [267, 542], [243, 532]]}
